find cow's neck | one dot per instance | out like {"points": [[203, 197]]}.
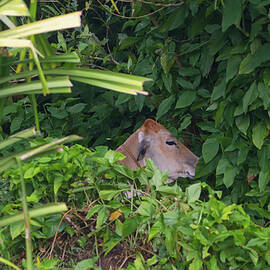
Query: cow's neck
{"points": [[130, 149]]}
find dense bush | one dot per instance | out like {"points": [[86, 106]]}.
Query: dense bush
{"points": [[171, 227], [209, 61]]}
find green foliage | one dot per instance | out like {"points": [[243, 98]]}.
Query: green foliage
{"points": [[185, 229]]}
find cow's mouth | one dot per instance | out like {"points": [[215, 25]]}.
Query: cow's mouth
{"points": [[184, 174]]}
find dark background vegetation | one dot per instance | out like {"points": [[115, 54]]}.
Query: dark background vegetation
{"points": [[209, 61]]}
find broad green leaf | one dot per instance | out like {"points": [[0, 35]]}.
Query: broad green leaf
{"points": [[232, 66], [176, 19], [250, 62], [155, 229], [264, 177], [128, 42], [129, 226], [167, 80], [231, 14], [166, 62], [259, 133], [76, 108], [102, 217], [57, 183], [31, 172], [220, 113], [14, 8], [93, 210], [229, 175], [194, 192], [264, 94], [165, 106], [146, 209], [171, 218], [16, 229], [185, 99], [222, 165], [109, 194], [219, 90], [250, 96], [87, 264], [195, 265], [184, 84], [210, 149], [242, 123], [144, 67]]}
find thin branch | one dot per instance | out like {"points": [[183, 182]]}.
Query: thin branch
{"points": [[154, 4]]}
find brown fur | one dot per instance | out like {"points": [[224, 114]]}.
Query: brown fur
{"points": [[162, 147]]}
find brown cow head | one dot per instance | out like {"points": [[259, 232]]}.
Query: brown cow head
{"points": [[157, 143]]}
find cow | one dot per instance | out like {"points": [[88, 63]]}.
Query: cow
{"points": [[152, 140]]}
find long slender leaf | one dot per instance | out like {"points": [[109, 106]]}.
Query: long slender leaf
{"points": [[22, 135], [8, 42], [41, 211], [14, 8], [120, 82], [35, 87], [44, 26], [48, 146], [2, 260]]}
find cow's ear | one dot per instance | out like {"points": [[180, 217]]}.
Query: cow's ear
{"points": [[143, 144]]}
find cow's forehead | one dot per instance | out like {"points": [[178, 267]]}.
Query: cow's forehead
{"points": [[152, 126]]}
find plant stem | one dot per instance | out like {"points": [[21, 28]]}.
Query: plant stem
{"points": [[27, 225]]}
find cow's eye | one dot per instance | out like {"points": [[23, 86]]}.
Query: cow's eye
{"points": [[171, 142]]}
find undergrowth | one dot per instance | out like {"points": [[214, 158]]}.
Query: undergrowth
{"points": [[161, 226]]}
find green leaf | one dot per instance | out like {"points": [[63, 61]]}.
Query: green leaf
{"points": [[250, 96], [144, 67], [219, 90], [194, 192], [109, 194], [57, 183], [14, 8], [229, 175], [259, 133], [76, 108], [44, 26], [16, 229], [166, 62], [129, 226], [146, 209], [175, 19], [165, 106], [264, 177], [93, 210], [242, 123], [210, 149], [232, 66], [2, 260], [155, 229], [185, 99], [87, 264], [128, 42], [195, 265], [31, 172], [250, 62], [102, 217], [264, 94], [231, 14]]}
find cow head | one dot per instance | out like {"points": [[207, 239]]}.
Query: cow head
{"points": [[157, 143]]}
